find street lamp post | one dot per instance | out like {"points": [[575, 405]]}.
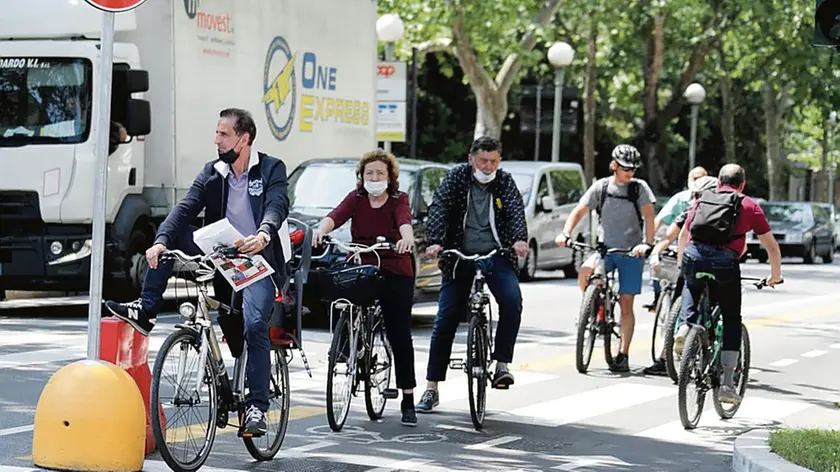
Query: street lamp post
{"points": [[389, 29], [695, 94], [832, 121], [560, 55]]}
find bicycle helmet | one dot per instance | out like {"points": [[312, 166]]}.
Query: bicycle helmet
{"points": [[627, 156]]}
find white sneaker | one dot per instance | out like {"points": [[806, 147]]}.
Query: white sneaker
{"points": [[679, 340]]}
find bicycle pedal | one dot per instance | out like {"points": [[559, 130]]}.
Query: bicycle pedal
{"points": [[457, 364], [500, 386], [391, 393]]}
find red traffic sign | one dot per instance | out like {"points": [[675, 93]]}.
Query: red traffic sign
{"points": [[115, 6]]}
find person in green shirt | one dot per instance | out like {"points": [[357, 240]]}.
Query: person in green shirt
{"points": [[678, 204]]}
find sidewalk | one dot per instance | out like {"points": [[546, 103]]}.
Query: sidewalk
{"points": [[752, 450]]}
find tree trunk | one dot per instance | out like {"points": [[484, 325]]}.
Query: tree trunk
{"points": [[771, 131], [489, 115], [590, 84], [728, 111], [654, 58]]}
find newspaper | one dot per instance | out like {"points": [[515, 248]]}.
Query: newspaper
{"points": [[239, 272]]}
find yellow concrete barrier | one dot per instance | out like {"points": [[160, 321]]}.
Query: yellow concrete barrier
{"points": [[90, 417]]}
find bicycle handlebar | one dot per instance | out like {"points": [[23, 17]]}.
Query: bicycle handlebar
{"points": [[229, 252], [760, 283], [475, 257], [602, 249], [357, 248]]}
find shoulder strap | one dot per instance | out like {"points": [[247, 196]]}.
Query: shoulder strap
{"points": [[633, 194], [603, 195]]}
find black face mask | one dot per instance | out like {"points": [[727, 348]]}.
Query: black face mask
{"points": [[228, 157]]}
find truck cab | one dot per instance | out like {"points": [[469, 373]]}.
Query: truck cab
{"points": [[48, 130]]}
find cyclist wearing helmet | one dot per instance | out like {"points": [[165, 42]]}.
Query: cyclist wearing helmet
{"points": [[625, 207]]}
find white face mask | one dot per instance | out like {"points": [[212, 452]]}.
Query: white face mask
{"points": [[483, 178], [376, 188]]}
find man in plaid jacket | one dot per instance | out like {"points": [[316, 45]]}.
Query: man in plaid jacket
{"points": [[477, 208]]}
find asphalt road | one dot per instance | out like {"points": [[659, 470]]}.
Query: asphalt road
{"points": [[553, 418]]}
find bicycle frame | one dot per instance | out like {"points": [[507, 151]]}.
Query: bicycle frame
{"points": [[198, 319], [479, 300]]}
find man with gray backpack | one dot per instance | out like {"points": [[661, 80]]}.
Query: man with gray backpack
{"points": [[625, 209]]}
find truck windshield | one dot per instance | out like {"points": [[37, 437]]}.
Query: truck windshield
{"points": [[44, 100]]}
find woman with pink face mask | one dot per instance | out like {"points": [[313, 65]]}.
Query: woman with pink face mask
{"points": [[376, 207]]}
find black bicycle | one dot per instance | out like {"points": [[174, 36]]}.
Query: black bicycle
{"points": [[701, 368], [479, 338], [597, 310], [359, 350]]}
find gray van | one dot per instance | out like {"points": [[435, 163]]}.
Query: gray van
{"points": [[550, 190]]}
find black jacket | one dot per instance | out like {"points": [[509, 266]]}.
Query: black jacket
{"points": [[209, 192], [445, 224]]}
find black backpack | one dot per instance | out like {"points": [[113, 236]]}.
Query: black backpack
{"points": [[632, 195], [715, 217]]}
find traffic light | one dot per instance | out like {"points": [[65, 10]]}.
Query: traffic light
{"points": [[827, 23]]}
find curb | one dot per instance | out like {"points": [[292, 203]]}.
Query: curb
{"points": [[752, 454]]}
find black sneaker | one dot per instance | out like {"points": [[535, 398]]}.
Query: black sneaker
{"points": [[409, 417], [621, 363], [503, 378], [657, 368], [254, 425], [428, 401], [133, 314]]}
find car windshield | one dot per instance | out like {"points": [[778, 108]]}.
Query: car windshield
{"points": [[320, 187], [523, 183], [44, 100], [789, 213]]}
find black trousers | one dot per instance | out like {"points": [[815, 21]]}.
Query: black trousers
{"points": [[396, 300]]}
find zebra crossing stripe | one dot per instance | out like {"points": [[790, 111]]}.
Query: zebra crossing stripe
{"points": [[587, 404]]}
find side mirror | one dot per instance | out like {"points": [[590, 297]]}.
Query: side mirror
{"points": [[547, 203], [138, 117]]}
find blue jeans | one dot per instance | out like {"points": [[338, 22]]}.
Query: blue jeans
{"points": [[452, 302], [257, 301], [725, 290]]}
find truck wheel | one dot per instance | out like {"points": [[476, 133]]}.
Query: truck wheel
{"points": [[129, 283]]}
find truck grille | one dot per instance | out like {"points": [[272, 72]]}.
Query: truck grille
{"points": [[19, 212]]}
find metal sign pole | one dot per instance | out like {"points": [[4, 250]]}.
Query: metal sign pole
{"points": [[103, 126]]}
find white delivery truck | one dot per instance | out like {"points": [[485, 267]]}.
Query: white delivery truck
{"points": [[305, 69]]}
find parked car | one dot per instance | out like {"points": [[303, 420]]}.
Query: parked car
{"points": [[550, 191], [803, 229], [317, 186]]}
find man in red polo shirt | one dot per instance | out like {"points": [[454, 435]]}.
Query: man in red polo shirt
{"points": [[715, 247]]}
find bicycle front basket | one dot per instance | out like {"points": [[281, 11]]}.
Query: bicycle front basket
{"points": [[667, 270], [358, 283]]}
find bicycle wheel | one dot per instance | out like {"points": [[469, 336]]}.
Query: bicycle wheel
{"points": [[183, 393], [660, 321], [673, 318], [609, 330], [265, 447], [587, 327], [380, 358], [342, 363], [741, 378], [692, 370], [477, 375]]}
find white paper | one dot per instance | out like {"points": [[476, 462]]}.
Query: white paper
{"points": [[239, 272]]}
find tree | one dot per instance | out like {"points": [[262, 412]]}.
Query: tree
{"points": [[483, 36]]}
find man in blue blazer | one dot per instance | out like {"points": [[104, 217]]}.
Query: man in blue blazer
{"points": [[249, 189]]}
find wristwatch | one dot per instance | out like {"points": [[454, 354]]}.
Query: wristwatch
{"points": [[266, 237]]}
